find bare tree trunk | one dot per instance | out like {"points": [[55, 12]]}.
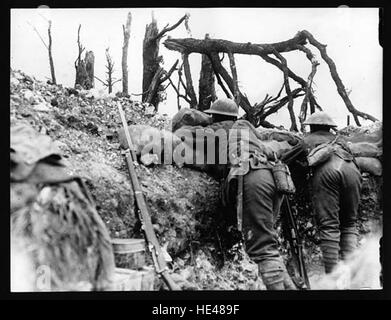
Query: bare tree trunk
{"points": [[89, 63], [126, 33], [110, 80], [206, 86], [157, 81], [189, 81], [234, 77], [288, 91], [151, 58], [48, 46], [50, 54], [84, 68]]}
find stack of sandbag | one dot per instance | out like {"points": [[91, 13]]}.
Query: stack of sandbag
{"points": [[279, 135], [366, 145], [152, 145], [277, 141], [190, 117], [55, 228]]}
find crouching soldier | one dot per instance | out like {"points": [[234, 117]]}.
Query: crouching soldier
{"points": [[261, 200], [335, 185]]}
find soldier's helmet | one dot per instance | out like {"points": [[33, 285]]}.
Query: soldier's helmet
{"points": [[320, 118], [224, 106]]}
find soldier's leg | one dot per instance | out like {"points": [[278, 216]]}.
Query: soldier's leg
{"points": [[258, 225], [350, 198], [325, 187]]}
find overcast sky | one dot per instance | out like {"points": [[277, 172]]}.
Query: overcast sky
{"points": [[351, 36]]}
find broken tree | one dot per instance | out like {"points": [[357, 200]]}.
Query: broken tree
{"points": [[206, 86], [110, 80], [258, 112], [153, 74], [84, 67], [48, 46]]}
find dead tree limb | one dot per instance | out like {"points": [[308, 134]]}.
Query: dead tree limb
{"points": [[291, 74], [279, 104], [234, 77], [169, 73], [221, 84], [288, 90], [167, 28], [308, 88], [179, 95], [125, 72], [189, 82], [160, 77], [189, 45], [219, 69], [154, 85], [213, 47], [338, 82]]}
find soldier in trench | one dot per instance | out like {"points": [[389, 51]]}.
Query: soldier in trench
{"points": [[261, 200], [335, 185]]}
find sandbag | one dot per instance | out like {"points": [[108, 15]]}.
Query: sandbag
{"points": [[275, 147], [372, 134], [190, 117], [149, 140], [278, 135], [370, 165], [365, 149]]}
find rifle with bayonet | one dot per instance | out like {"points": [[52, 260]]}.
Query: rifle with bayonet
{"points": [[296, 246], [159, 261]]}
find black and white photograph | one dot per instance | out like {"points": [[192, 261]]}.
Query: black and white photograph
{"points": [[196, 149]]}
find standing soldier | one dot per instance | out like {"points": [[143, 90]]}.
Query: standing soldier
{"points": [[261, 200], [336, 186]]}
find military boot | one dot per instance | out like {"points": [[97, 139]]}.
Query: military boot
{"points": [[272, 274], [348, 244], [330, 253]]}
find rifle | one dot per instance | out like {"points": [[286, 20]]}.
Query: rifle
{"points": [[142, 207], [296, 247]]}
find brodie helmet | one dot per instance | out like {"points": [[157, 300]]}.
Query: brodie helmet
{"points": [[320, 118], [224, 106]]}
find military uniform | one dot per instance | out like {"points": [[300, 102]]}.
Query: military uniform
{"points": [[336, 186], [261, 203]]}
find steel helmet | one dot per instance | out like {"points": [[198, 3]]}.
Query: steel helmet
{"points": [[320, 118], [224, 106]]}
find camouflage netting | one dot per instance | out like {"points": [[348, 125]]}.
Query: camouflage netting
{"points": [[184, 203]]}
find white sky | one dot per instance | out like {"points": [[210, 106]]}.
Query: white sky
{"points": [[351, 35]]}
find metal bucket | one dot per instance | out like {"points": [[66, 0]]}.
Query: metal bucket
{"points": [[129, 253]]}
